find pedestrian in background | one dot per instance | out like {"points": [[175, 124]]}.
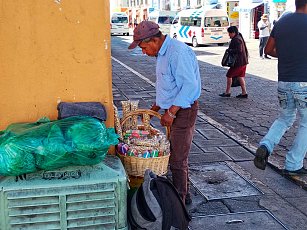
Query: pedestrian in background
{"points": [[288, 43], [178, 86], [135, 22], [264, 34], [237, 47]]}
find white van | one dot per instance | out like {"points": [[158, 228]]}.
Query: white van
{"points": [[163, 19], [119, 23], [201, 26]]}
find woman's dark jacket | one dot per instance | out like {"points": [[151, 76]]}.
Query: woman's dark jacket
{"points": [[237, 47]]}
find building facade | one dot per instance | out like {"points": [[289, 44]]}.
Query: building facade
{"points": [[242, 13], [250, 12], [138, 10]]}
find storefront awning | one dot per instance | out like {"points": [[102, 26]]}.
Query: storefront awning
{"points": [[247, 8]]}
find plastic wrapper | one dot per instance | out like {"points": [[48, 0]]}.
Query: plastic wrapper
{"points": [[134, 106], [146, 121], [47, 145], [118, 127], [126, 109], [145, 142]]}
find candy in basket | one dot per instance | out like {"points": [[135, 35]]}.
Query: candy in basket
{"points": [[143, 146]]}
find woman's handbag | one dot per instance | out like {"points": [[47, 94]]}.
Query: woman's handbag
{"points": [[228, 59]]}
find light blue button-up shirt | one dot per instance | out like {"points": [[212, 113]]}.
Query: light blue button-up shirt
{"points": [[178, 79]]}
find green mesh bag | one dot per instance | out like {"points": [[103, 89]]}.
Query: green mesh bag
{"points": [[16, 157], [47, 145]]}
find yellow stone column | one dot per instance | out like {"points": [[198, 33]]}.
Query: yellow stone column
{"points": [[53, 51]]}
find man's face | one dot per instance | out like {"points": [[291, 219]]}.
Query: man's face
{"points": [[150, 47]]}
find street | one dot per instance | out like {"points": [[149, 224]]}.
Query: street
{"points": [[235, 195]]}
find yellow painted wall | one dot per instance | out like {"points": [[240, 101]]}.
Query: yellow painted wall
{"points": [[52, 51]]}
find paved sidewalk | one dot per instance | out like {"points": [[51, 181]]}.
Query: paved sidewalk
{"points": [[226, 187], [250, 118]]}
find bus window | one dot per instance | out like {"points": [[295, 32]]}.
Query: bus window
{"points": [[216, 22], [165, 20], [176, 19], [118, 19], [190, 21], [153, 19]]}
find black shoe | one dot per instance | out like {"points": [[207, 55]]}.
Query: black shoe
{"points": [[266, 57], [188, 199], [261, 159], [224, 95], [242, 96], [300, 171]]}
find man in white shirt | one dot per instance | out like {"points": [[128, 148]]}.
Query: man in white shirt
{"points": [[264, 34]]}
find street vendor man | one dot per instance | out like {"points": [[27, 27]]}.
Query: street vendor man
{"points": [[178, 86]]}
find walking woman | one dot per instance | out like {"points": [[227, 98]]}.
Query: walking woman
{"points": [[237, 47]]}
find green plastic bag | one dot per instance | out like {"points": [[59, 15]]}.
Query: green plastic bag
{"points": [[47, 145]]}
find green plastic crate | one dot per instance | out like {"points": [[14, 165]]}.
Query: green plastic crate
{"points": [[78, 197]]}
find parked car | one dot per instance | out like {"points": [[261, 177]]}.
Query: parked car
{"points": [[119, 23]]}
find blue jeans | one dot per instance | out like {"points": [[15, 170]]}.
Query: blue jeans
{"points": [[292, 98]]}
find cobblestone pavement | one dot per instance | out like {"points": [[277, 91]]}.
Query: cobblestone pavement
{"points": [[228, 192], [250, 119]]}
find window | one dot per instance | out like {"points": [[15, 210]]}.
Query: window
{"points": [[125, 3], [119, 20], [165, 20], [176, 19], [216, 22], [153, 19], [189, 21]]}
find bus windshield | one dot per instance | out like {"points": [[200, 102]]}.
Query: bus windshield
{"points": [[119, 20], [165, 19], [216, 22]]}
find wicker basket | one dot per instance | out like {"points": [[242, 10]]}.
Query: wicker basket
{"points": [[136, 166]]}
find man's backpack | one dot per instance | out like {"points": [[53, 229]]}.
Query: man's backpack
{"points": [[156, 205]]}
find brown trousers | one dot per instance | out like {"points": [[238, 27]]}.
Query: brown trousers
{"points": [[181, 136]]}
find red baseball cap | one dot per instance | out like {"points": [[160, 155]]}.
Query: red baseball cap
{"points": [[146, 29]]}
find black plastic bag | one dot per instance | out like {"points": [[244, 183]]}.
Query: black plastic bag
{"points": [[235, 82]]}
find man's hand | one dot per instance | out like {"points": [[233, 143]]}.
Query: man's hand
{"points": [[166, 120], [155, 108]]}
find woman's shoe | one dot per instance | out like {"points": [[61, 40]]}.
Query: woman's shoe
{"points": [[242, 96], [224, 95]]}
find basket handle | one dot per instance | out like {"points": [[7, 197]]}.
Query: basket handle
{"points": [[142, 112]]}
